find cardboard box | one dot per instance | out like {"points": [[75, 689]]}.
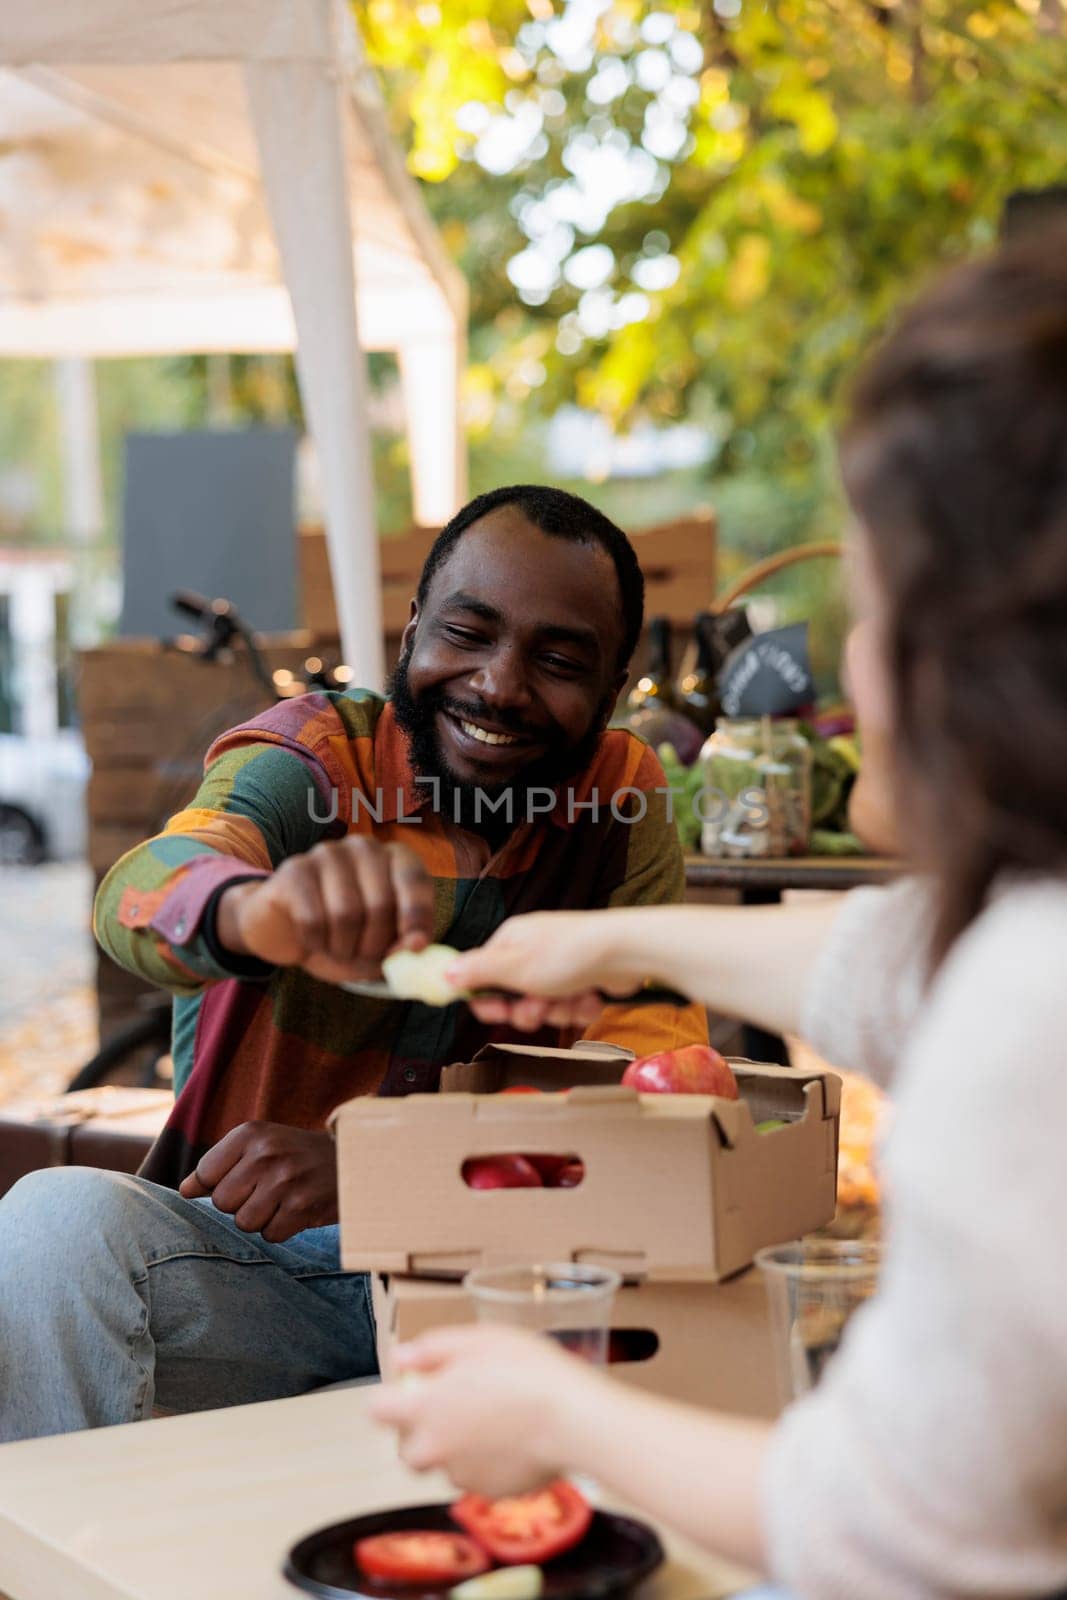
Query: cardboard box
{"points": [[707, 1344], [677, 1188]]}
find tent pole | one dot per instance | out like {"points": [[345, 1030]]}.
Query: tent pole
{"points": [[297, 114], [79, 435], [430, 378]]}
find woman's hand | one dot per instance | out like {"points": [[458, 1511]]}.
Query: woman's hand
{"points": [[556, 960], [500, 1410]]}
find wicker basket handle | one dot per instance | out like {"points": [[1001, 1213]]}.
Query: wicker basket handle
{"points": [[755, 575]]}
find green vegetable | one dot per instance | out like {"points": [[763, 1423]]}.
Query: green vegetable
{"points": [[769, 1125], [506, 1583], [847, 750], [824, 842], [689, 781]]}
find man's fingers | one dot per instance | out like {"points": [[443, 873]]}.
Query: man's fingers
{"points": [[238, 1189], [381, 919], [219, 1160], [282, 1225], [191, 1188], [300, 897], [414, 895], [342, 901], [257, 1212]]}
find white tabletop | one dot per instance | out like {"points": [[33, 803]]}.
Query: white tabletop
{"points": [[204, 1507]]}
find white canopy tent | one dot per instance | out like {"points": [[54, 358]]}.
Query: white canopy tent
{"points": [[217, 175]]}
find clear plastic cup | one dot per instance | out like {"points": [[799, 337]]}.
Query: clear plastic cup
{"points": [[814, 1286], [569, 1301]]}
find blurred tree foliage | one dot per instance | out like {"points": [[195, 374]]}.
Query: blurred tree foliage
{"points": [[672, 210], [666, 211]]}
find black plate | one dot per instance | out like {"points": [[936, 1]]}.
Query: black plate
{"points": [[615, 1554]]}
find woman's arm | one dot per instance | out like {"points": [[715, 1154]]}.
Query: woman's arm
{"points": [[745, 962], [501, 1411]]}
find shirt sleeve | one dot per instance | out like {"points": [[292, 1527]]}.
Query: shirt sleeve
{"points": [[868, 980], [654, 875], [932, 1460], [265, 795]]}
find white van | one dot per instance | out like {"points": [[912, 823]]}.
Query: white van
{"points": [[42, 798]]}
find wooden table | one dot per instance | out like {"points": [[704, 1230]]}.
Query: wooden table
{"points": [[771, 875], [207, 1505]]}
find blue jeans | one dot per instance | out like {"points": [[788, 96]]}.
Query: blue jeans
{"points": [[117, 1295]]}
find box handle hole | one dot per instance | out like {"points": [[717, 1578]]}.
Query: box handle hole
{"points": [[529, 1170]]}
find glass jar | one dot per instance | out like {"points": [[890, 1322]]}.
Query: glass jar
{"points": [[755, 797]]}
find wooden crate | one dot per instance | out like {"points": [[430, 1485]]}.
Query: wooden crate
{"points": [[148, 716]]}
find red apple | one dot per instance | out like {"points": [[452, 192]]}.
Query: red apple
{"points": [[695, 1069], [500, 1172], [548, 1167]]}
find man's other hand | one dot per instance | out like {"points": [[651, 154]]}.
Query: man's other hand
{"points": [[272, 1180]]}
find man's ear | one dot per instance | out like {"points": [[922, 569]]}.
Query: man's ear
{"points": [[611, 700], [621, 680], [412, 623]]}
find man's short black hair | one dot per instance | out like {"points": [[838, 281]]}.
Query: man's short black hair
{"points": [[1025, 210], [562, 516]]}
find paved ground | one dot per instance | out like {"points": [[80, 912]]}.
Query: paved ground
{"points": [[47, 1011]]}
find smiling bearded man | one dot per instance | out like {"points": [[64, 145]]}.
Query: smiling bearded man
{"points": [[325, 833], [515, 654]]}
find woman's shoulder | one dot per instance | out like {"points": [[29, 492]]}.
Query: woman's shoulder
{"points": [[1020, 937]]}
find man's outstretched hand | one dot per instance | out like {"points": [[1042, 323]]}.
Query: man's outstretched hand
{"points": [[271, 1179], [335, 910]]}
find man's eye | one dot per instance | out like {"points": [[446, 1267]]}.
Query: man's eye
{"points": [[463, 636], [563, 664]]}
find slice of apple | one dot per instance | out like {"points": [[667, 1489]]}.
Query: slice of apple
{"points": [[420, 975], [506, 1583]]}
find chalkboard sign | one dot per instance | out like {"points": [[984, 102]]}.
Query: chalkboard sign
{"points": [[768, 675], [214, 512]]}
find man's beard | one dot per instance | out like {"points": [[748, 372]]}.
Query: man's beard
{"points": [[462, 801]]}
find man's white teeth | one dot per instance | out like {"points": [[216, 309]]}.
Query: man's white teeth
{"points": [[485, 737]]}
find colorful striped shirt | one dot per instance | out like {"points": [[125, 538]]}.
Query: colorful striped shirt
{"points": [[275, 1044]]}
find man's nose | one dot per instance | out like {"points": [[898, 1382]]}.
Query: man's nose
{"points": [[502, 680]]}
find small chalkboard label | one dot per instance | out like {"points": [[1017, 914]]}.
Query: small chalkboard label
{"points": [[768, 675]]}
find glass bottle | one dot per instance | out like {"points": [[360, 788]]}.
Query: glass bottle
{"points": [[655, 686], [755, 797], [698, 691]]}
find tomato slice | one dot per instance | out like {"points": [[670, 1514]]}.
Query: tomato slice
{"points": [[527, 1527], [434, 1558]]}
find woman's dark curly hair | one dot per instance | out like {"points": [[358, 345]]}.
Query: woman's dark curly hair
{"points": [[955, 460]]}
